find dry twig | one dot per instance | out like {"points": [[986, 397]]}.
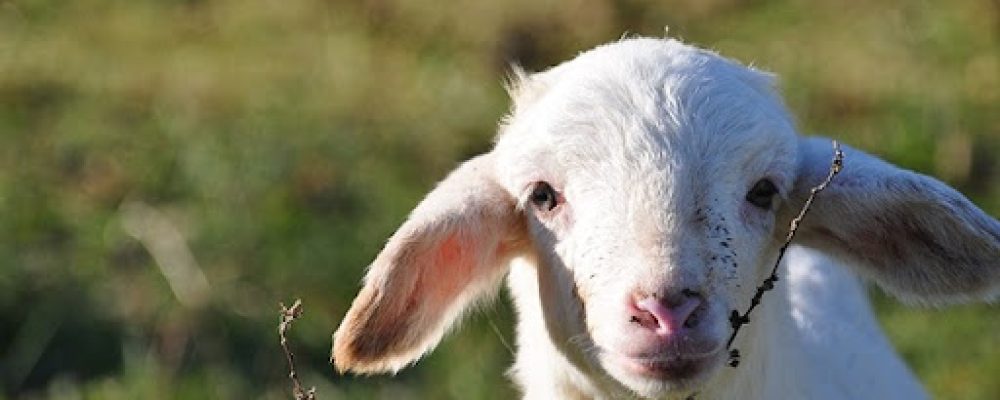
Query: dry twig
{"points": [[289, 315], [736, 319]]}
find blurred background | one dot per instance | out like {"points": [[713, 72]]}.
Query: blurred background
{"points": [[171, 170]]}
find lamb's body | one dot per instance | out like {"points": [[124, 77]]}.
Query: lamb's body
{"points": [[641, 192], [814, 337]]}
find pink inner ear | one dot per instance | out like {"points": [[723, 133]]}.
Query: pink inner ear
{"points": [[450, 251], [448, 269]]}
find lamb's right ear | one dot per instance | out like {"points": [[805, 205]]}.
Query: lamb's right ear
{"points": [[453, 250], [912, 234]]}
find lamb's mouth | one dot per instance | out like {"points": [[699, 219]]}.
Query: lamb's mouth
{"points": [[673, 368]]}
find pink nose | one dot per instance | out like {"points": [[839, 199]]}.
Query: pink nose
{"points": [[666, 317]]}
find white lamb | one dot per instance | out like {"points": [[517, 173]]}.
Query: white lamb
{"points": [[637, 195]]}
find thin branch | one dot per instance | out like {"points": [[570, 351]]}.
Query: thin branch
{"points": [[289, 315], [736, 319]]}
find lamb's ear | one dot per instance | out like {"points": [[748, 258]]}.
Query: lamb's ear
{"points": [[452, 251], [913, 235]]}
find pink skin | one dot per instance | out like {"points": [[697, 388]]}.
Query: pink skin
{"points": [[664, 320]]}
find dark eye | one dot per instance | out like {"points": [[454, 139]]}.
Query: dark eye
{"points": [[544, 197], [762, 193]]}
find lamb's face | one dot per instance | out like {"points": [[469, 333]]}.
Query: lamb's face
{"points": [[650, 188]]}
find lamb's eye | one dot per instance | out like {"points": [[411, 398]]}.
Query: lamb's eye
{"points": [[544, 197], [762, 193]]}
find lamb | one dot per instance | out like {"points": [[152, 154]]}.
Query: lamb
{"points": [[634, 197]]}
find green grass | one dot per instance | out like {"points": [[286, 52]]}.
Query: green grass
{"points": [[285, 140]]}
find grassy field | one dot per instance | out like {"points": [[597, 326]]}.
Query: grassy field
{"points": [[171, 170]]}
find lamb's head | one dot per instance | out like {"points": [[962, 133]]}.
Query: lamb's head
{"points": [[650, 173], [651, 183]]}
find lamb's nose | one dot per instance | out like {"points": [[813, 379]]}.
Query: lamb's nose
{"points": [[666, 316]]}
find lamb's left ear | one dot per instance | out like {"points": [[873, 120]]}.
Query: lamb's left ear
{"points": [[913, 235], [452, 251]]}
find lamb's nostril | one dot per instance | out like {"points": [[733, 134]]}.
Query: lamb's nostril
{"points": [[665, 318], [645, 320], [692, 321]]}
